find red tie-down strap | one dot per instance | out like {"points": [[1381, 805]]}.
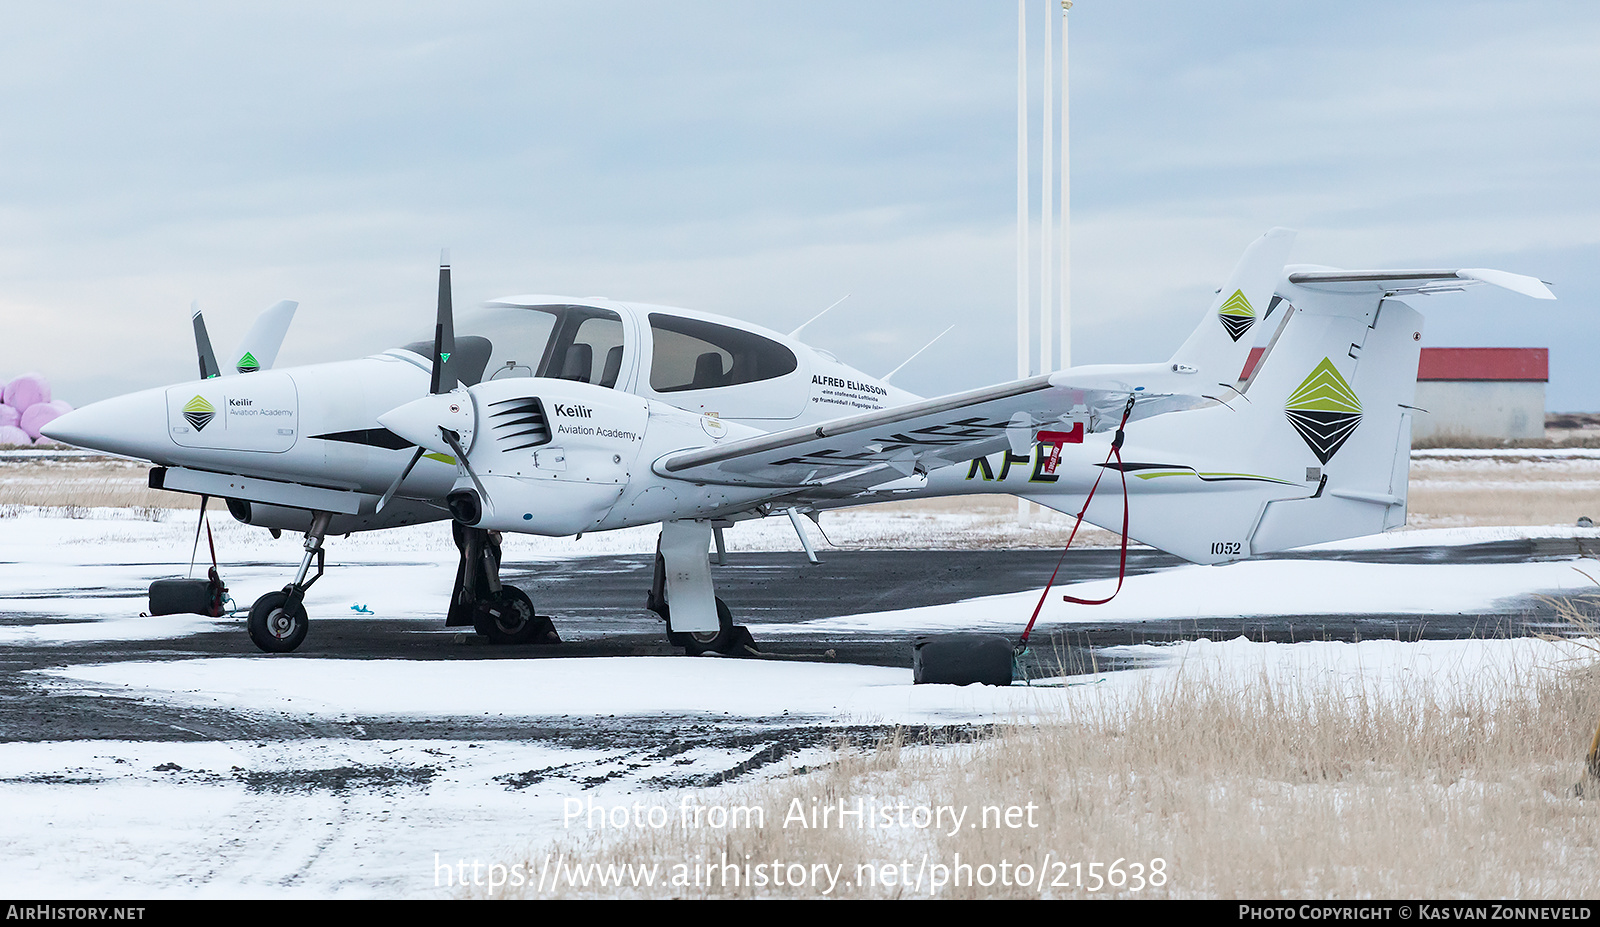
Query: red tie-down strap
{"points": [[1055, 439]]}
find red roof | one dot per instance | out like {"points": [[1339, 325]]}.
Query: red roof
{"points": [[1526, 364], [1485, 364]]}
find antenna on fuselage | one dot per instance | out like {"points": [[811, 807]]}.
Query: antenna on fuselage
{"points": [[885, 377], [796, 332]]}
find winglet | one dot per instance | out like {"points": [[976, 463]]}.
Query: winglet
{"points": [[259, 350], [1221, 343]]}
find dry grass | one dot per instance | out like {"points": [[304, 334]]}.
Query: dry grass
{"points": [[1466, 491], [85, 483], [1259, 789]]}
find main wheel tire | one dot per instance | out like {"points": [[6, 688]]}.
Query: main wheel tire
{"points": [[507, 618], [695, 643], [276, 626]]}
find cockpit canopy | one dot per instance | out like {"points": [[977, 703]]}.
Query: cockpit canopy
{"points": [[593, 344]]}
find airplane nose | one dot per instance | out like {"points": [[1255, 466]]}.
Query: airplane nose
{"points": [[134, 425]]}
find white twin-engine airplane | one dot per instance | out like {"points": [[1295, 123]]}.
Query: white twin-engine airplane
{"points": [[559, 416]]}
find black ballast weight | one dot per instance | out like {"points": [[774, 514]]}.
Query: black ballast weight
{"points": [[961, 660], [180, 596]]}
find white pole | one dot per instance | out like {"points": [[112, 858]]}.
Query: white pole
{"points": [[1065, 326], [1023, 335], [1047, 206]]}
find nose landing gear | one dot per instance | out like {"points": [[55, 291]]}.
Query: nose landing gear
{"points": [[278, 622]]}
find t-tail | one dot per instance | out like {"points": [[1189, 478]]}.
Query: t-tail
{"points": [[1313, 446]]}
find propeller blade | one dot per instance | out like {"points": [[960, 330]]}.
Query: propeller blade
{"points": [[454, 440], [442, 379], [395, 486], [444, 333], [202, 345]]}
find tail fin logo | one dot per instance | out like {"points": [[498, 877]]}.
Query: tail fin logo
{"points": [[199, 413], [248, 363], [1324, 410], [1237, 315]]}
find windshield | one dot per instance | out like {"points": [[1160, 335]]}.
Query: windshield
{"points": [[567, 342]]}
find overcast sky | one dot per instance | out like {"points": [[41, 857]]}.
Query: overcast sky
{"points": [[762, 160]]}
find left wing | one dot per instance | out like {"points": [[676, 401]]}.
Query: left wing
{"points": [[863, 450], [917, 437]]}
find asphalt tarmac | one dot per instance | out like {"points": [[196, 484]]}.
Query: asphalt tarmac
{"points": [[597, 605]]}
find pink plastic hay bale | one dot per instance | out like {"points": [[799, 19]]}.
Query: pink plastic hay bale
{"points": [[9, 416], [27, 390], [39, 415], [11, 434]]}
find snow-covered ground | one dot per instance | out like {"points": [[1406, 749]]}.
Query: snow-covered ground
{"points": [[354, 816]]}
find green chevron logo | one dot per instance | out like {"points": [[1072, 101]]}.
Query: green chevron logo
{"points": [[1237, 315], [199, 413], [248, 363], [1324, 410]]}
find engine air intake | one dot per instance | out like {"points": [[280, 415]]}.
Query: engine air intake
{"points": [[519, 423]]}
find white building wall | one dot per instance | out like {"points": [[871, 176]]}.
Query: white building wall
{"points": [[1497, 409]]}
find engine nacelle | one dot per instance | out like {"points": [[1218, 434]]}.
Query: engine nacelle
{"points": [[553, 455], [399, 513]]}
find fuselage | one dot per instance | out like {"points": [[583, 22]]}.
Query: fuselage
{"points": [[317, 425]]}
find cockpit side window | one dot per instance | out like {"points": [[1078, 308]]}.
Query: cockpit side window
{"points": [[594, 352], [691, 354]]}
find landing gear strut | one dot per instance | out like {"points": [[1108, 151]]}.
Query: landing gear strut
{"points": [[503, 614], [278, 622], [728, 637]]}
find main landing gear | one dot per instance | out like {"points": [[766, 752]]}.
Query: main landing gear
{"points": [[503, 614], [683, 567]]}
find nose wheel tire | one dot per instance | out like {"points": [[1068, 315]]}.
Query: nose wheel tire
{"points": [[276, 624], [507, 617]]}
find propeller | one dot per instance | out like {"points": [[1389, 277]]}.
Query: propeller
{"points": [[415, 423], [202, 345]]}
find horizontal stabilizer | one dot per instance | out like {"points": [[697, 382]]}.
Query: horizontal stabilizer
{"points": [[1398, 282]]}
